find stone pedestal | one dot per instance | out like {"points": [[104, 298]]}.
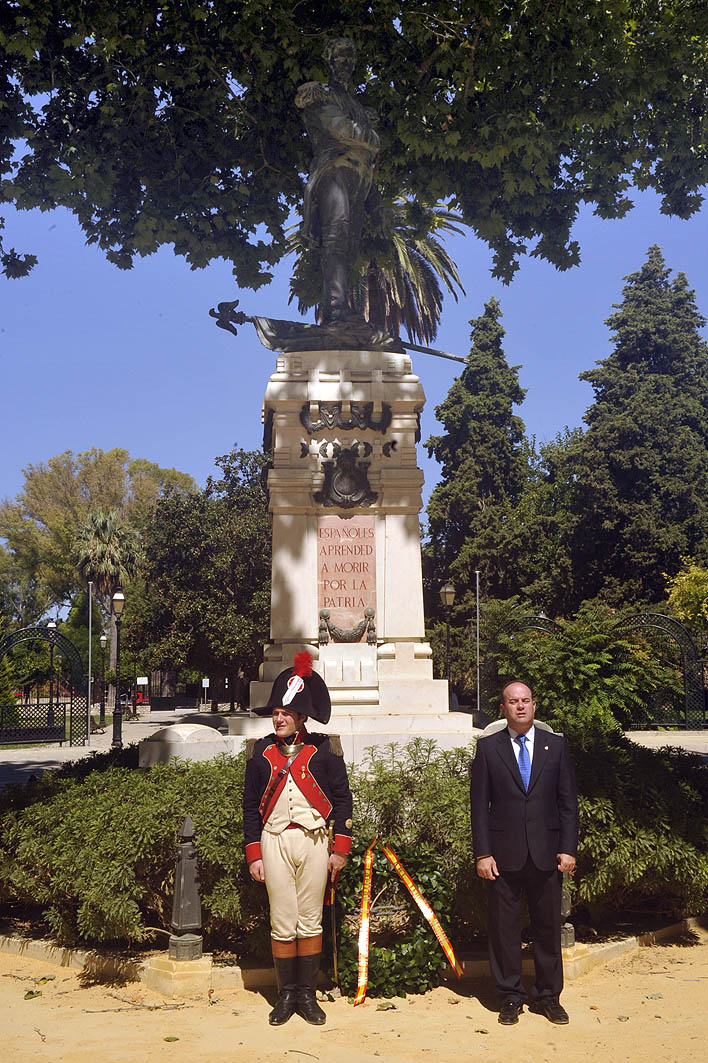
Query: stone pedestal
{"points": [[185, 947], [345, 499], [186, 741], [177, 978]]}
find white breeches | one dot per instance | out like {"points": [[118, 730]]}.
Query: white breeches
{"points": [[295, 866]]}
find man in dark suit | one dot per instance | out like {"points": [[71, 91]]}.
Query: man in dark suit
{"points": [[525, 827]]}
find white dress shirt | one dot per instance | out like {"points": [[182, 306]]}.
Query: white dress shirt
{"points": [[513, 735]]}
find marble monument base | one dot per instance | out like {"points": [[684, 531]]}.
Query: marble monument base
{"points": [[362, 731], [344, 492], [391, 678], [379, 695]]}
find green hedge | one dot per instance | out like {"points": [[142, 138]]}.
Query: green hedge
{"points": [[417, 801], [94, 849], [91, 849], [643, 829]]}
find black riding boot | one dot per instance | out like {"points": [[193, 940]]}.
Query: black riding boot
{"points": [[286, 971], [335, 291], [307, 1006]]}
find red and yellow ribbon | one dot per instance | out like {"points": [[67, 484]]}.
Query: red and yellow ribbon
{"points": [[365, 916], [364, 923]]}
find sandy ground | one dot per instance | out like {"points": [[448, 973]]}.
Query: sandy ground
{"points": [[651, 1006]]}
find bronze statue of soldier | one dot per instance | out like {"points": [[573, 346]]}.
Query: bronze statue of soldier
{"points": [[340, 191], [341, 185]]}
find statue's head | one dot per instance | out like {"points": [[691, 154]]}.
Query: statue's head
{"points": [[340, 55]]}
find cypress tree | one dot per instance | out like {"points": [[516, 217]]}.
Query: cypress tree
{"points": [[485, 468], [641, 469]]}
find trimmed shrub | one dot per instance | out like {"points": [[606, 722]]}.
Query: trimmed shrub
{"points": [[91, 848], [94, 849], [417, 801], [643, 829]]}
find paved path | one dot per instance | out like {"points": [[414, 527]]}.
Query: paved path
{"points": [[17, 765], [691, 741]]}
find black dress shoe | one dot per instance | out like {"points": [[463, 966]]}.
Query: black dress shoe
{"points": [[553, 1011], [510, 1011]]}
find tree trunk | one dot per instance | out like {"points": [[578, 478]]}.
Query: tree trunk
{"points": [[163, 682]]}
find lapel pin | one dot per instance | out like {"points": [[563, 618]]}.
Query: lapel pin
{"points": [[545, 747]]}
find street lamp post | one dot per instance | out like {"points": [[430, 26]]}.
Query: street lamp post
{"points": [[117, 743], [52, 625], [102, 718], [447, 597]]}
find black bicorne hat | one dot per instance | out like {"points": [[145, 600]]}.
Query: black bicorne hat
{"points": [[301, 689]]}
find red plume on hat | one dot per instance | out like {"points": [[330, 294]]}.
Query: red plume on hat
{"points": [[302, 663]]}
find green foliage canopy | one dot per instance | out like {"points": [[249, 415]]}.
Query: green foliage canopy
{"points": [[593, 677], [591, 674], [173, 123], [108, 553], [22, 597], [640, 472], [485, 467], [607, 512], [204, 597], [107, 550], [41, 525], [688, 595]]}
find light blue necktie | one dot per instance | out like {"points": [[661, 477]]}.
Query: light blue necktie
{"points": [[524, 761]]}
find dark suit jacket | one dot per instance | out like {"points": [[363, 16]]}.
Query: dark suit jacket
{"points": [[511, 824]]}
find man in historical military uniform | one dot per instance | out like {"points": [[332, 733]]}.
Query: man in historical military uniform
{"points": [[295, 782], [345, 147]]}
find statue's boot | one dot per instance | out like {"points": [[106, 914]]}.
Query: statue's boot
{"points": [[335, 290], [285, 961], [308, 965]]}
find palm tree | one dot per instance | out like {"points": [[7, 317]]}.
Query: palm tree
{"points": [[108, 552], [399, 274]]}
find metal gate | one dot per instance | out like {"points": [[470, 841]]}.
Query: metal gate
{"points": [[693, 716], [690, 711], [60, 721]]}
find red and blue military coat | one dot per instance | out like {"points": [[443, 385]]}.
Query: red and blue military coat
{"points": [[319, 772]]}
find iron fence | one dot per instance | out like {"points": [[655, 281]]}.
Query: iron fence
{"points": [[23, 723]]}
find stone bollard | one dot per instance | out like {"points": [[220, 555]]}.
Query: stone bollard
{"points": [[184, 972], [186, 941]]}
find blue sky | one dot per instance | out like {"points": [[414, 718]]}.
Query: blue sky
{"points": [[93, 356]]}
